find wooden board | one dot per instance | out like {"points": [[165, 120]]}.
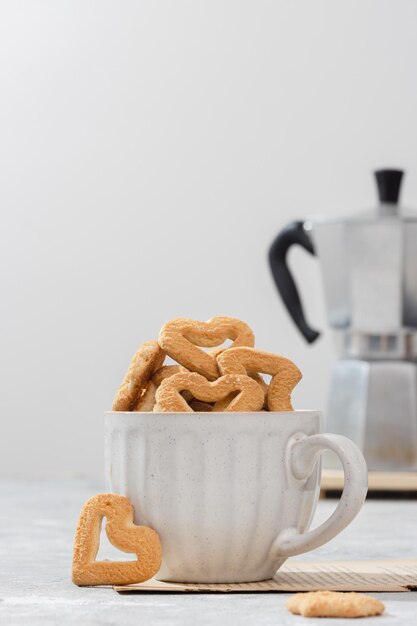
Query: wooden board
{"points": [[332, 480]]}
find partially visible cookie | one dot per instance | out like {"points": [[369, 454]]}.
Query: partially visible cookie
{"points": [[166, 371], [180, 339], [249, 395], [246, 360], [146, 402], [144, 363], [334, 604]]}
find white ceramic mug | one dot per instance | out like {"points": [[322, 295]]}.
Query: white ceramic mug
{"points": [[231, 495]]}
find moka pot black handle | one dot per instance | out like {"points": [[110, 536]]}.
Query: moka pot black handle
{"points": [[294, 233]]}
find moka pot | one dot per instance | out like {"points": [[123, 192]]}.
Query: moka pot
{"points": [[369, 269]]}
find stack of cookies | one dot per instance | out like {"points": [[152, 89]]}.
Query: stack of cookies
{"points": [[221, 379]]}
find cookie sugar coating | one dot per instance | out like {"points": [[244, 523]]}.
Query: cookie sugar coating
{"points": [[334, 604], [285, 374], [249, 396], [123, 534], [180, 339]]}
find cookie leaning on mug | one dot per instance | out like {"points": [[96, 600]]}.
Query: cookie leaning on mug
{"points": [[123, 534], [334, 604]]}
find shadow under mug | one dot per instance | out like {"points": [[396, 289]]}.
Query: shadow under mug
{"points": [[232, 495]]}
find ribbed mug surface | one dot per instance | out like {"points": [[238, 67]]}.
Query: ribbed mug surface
{"points": [[215, 486]]}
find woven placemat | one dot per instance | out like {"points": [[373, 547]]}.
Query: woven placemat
{"points": [[305, 576]]}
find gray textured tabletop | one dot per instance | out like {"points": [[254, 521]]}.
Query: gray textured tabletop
{"points": [[37, 523]]}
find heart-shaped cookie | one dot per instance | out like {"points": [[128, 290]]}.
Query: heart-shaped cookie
{"points": [[244, 393], [123, 534], [144, 363], [285, 375], [180, 337]]}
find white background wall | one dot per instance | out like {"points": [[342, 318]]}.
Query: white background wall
{"points": [[149, 152]]}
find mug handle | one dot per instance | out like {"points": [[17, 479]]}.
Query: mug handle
{"points": [[302, 454]]}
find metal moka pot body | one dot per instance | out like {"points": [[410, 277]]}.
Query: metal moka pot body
{"points": [[369, 269]]}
